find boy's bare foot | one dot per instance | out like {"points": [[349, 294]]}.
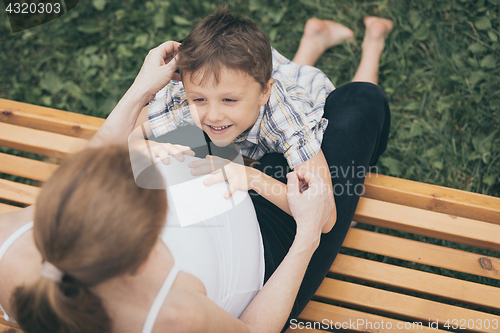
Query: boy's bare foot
{"points": [[319, 35], [377, 29], [326, 33]]}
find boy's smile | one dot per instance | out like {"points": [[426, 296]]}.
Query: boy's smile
{"points": [[226, 109]]}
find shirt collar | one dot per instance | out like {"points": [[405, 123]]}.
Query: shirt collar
{"points": [[252, 133]]}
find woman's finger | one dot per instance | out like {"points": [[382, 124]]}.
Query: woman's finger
{"points": [[311, 180], [169, 68], [166, 49], [302, 186], [187, 151], [305, 175]]}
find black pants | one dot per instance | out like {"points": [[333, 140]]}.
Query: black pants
{"points": [[357, 133]]}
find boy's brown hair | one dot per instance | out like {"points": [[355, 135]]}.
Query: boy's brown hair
{"points": [[226, 40]]}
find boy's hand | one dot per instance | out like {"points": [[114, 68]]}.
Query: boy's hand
{"points": [[164, 150], [223, 170]]}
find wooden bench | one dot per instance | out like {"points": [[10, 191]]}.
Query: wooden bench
{"points": [[367, 290]]}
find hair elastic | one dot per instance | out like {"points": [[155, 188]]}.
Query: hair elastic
{"points": [[51, 272]]}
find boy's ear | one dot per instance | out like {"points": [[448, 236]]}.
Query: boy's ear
{"points": [[266, 92]]}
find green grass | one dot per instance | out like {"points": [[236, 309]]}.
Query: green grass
{"points": [[439, 69]]}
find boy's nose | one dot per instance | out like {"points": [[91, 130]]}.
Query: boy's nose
{"points": [[214, 115]]}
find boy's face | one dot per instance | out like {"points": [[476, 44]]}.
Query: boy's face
{"points": [[227, 109]]}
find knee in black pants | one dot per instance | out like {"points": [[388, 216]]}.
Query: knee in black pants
{"points": [[357, 103], [359, 111]]}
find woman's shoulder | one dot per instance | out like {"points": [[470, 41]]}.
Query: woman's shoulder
{"points": [[11, 222], [192, 312], [22, 261], [183, 311]]}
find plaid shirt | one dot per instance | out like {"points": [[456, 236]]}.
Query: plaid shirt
{"points": [[290, 122]]}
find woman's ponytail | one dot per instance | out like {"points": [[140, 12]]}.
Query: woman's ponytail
{"points": [[47, 306]]}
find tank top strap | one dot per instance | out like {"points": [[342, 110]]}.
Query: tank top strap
{"points": [[160, 299], [12, 238], [3, 249]]}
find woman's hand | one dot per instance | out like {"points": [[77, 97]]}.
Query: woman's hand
{"points": [[311, 202], [157, 70], [223, 170], [164, 150]]}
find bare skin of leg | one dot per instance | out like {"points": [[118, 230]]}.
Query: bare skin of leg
{"points": [[319, 36], [377, 29]]}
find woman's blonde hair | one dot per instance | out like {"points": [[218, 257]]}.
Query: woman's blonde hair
{"points": [[93, 223]]}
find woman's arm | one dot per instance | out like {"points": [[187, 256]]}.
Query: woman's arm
{"points": [[269, 310], [158, 69], [275, 191]]}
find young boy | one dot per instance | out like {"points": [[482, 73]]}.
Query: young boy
{"points": [[239, 90]]}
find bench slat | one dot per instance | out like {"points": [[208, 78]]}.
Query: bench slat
{"points": [[17, 192], [422, 253], [391, 303], [39, 142], [427, 223], [48, 119], [316, 311], [4, 208], [431, 197], [26, 167], [416, 281], [394, 304]]}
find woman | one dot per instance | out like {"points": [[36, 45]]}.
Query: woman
{"points": [[87, 294], [99, 262]]}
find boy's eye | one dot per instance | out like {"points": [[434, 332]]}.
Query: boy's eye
{"points": [[198, 100], [229, 100]]}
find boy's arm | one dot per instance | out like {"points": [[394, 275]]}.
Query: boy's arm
{"points": [[275, 191]]}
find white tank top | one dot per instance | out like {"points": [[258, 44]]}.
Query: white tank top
{"points": [[223, 247]]}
